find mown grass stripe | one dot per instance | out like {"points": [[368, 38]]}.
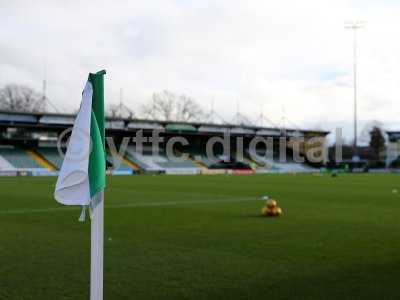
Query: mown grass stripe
{"points": [[124, 205]]}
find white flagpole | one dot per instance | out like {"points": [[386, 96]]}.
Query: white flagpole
{"points": [[97, 244]]}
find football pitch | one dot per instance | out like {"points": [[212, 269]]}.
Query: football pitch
{"points": [[202, 237]]}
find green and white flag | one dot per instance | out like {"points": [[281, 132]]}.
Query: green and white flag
{"points": [[82, 174]]}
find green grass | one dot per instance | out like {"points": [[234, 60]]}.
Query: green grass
{"points": [[201, 237]]}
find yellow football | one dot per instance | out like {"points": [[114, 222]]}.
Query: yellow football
{"points": [[271, 203], [270, 212], [276, 211], [264, 211]]}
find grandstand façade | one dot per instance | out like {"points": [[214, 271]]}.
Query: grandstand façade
{"points": [[29, 145]]}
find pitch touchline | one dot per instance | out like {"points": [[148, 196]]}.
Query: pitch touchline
{"points": [[166, 203]]}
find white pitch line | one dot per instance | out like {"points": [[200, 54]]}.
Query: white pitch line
{"points": [[122, 205], [172, 203]]}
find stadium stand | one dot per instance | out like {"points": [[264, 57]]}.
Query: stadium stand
{"points": [[28, 143], [8, 117], [18, 158], [201, 158], [149, 161], [51, 154], [273, 163], [40, 160], [198, 153], [245, 159], [117, 163], [393, 148], [5, 165], [220, 161], [145, 161]]}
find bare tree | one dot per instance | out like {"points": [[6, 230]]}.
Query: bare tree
{"points": [[188, 109], [377, 142], [119, 110], [369, 126], [21, 98], [171, 107], [113, 110]]}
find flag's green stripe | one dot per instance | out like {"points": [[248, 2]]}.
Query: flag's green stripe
{"points": [[97, 81], [97, 160]]}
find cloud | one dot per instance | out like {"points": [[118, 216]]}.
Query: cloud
{"points": [[288, 56]]}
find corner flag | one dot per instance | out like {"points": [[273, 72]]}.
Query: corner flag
{"points": [[82, 174], [82, 177]]}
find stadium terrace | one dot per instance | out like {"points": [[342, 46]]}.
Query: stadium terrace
{"points": [[33, 144]]}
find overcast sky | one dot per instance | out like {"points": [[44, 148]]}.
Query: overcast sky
{"points": [[291, 58]]}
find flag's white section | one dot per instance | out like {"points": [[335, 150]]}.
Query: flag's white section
{"points": [[72, 186]]}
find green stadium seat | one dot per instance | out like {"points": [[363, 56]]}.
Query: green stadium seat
{"points": [[18, 158], [52, 155]]}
